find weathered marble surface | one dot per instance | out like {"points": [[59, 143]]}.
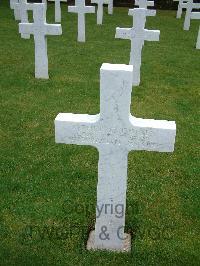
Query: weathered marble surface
{"points": [[145, 4], [81, 9], [58, 10], [114, 132], [40, 29], [189, 7], [137, 35]]}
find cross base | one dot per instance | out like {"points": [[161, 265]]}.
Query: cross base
{"points": [[126, 243]]}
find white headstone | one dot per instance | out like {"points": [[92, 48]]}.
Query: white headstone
{"points": [[114, 132], [100, 4], [182, 4], [110, 6], [198, 40], [190, 6], [40, 29], [58, 10], [145, 4], [137, 35], [23, 7], [81, 9]]}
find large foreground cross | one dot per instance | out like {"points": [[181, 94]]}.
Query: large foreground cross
{"points": [[114, 132], [145, 4], [137, 35], [190, 6], [40, 29], [81, 9]]}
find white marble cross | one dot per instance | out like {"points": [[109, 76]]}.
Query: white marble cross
{"points": [[40, 29], [145, 4], [100, 4], [114, 132], [110, 6], [23, 7], [137, 35], [81, 9], [189, 8], [58, 10], [182, 4]]}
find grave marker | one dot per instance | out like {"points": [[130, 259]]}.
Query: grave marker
{"points": [[114, 132], [100, 4], [182, 4], [81, 9], [189, 8], [23, 7], [40, 29], [137, 35]]}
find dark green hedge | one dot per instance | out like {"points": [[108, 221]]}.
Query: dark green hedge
{"points": [[159, 4]]}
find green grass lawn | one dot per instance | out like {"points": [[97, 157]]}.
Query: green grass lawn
{"points": [[48, 191]]}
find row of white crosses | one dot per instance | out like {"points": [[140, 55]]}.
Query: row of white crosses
{"points": [[115, 132], [189, 5]]}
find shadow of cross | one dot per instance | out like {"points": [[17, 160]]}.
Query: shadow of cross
{"points": [[81, 9], [145, 4], [137, 34], [40, 29], [114, 132], [23, 8]]}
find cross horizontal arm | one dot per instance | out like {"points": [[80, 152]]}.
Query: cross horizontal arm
{"points": [[76, 129], [149, 12], [151, 35], [195, 5], [152, 135], [123, 33], [26, 28], [53, 29], [148, 3], [72, 9], [195, 15]]}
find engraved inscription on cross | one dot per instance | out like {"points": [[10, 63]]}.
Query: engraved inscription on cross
{"points": [[81, 9], [137, 34], [40, 29], [114, 132], [145, 4]]}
